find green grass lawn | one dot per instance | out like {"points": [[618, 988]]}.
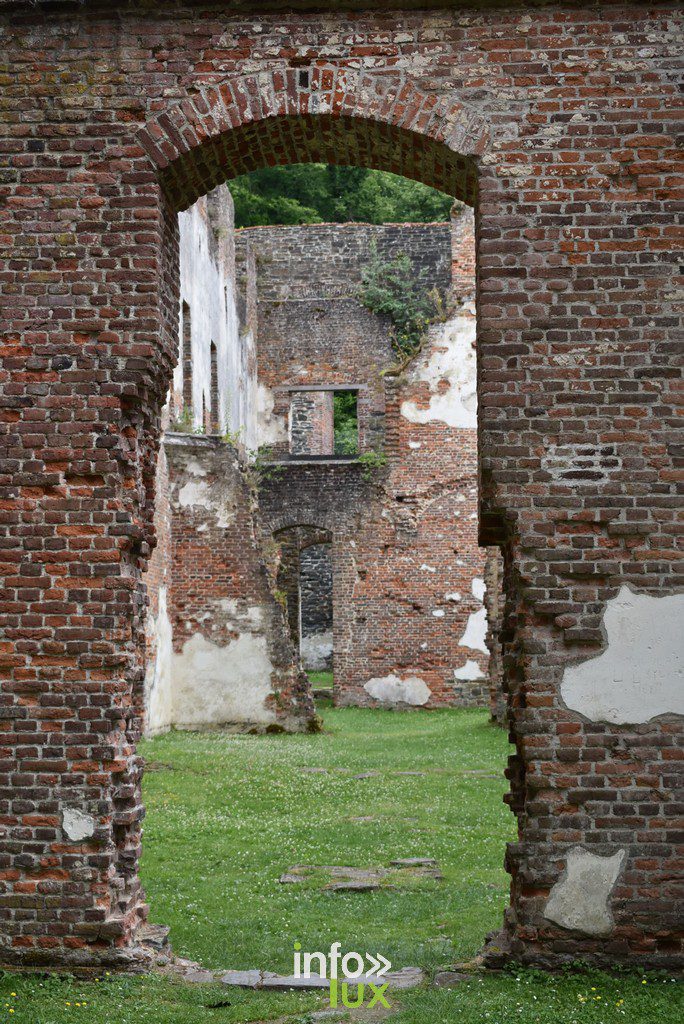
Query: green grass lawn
{"points": [[227, 815], [321, 679]]}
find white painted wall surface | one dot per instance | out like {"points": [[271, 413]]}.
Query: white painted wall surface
{"points": [[207, 285], [215, 685]]}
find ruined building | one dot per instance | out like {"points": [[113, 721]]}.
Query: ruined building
{"points": [[257, 505], [558, 127]]}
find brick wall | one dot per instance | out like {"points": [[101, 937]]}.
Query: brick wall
{"points": [[559, 126], [232, 662], [409, 626]]}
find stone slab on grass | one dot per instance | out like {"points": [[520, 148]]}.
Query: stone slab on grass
{"points": [[449, 979], [286, 981], [407, 977], [339, 878], [242, 979]]}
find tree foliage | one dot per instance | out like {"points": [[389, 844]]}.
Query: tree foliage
{"points": [[346, 423], [318, 193]]}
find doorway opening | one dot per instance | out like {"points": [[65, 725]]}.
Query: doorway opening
{"points": [[391, 494]]}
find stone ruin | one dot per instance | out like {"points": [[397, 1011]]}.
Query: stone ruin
{"points": [[557, 126], [253, 492]]}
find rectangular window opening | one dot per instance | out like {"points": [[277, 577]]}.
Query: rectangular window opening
{"points": [[345, 422], [214, 392], [186, 341]]}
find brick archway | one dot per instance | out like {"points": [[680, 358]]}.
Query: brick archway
{"points": [[292, 539], [330, 114], [576, 408]]}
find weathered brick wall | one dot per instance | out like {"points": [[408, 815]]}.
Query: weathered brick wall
{"points": [[409, 625], [493, 578], [232, 663], [218, 651], [558, 124]]}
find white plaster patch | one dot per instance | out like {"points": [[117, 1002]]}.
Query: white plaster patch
{"points": [[216, 685], [159, 693], [194, 494], [579, 900], [316, 650], [201, 495], [270, 428], [476, 631], [195, 468], [251, 616], [476, 626], [415, 445], [438, 613], [391, 689], [428, 568], [451, 358], [640, 674], [471, 670], [455, 597], [77, 826]]}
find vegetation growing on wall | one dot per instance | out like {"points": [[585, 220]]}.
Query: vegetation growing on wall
{"points": [[318, 193], [346, 423], [395, 289]]}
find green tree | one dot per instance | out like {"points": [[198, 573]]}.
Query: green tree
{"points": [[315, 193]]}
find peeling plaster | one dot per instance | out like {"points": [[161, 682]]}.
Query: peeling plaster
{"points": [[202, 495], [471, 670], [159, 693], [579, 900], [391, 689], [450, 359], [234, 682], [476, 626], [77, 826], [640, 674], [272, 429], [316, 650], [207, 270]]}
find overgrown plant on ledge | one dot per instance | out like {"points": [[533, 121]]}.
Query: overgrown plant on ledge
{"points": [[183, 423], [232, 437], [260, 466], [372, 462], [394, 288]]}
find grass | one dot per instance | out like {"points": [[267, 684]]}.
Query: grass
{"points": [[228, 814], [321, 679]]}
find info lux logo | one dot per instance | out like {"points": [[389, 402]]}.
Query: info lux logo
{"points": [[350, 966]]}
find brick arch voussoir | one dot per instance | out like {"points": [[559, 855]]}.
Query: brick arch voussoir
{"points": [[190, 142], [314, 535], [316, 521]]}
